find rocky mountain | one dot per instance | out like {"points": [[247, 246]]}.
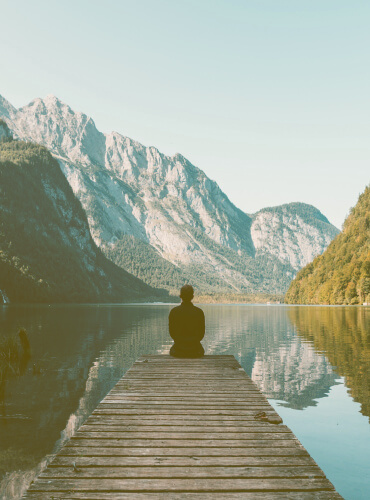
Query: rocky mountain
{"points": [[341, 275], [46, 250], [150, 211], [295, 233]]}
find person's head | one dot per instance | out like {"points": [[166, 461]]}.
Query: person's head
{"points": [[187, 293]]}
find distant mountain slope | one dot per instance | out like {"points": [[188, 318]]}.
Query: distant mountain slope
{"points": [[171, 207], [46, 250], [341, 275], [295, 233]]}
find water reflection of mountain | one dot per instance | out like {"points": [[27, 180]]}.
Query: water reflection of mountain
{"points": [[294, 373], [264, 341], [343, 335]]}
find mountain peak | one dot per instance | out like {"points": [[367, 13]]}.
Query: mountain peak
{"points": [[6, 109], [179, 157], [51, 98], [50, 102], [304, 210]]}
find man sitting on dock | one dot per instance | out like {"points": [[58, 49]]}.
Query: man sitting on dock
{"points": [[187, 326]]}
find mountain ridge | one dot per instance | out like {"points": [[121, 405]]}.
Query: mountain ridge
{"points": [[46, 250], [171, 205]]}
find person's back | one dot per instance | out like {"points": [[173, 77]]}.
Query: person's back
{"points": [[187, 327]]}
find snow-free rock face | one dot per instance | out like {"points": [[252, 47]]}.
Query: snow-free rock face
{"points": [[295, 233], [170, 205], [46, 250]]}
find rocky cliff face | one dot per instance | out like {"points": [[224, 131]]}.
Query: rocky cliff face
{"points": [[170, 206], [294, 233], [46, 250]]}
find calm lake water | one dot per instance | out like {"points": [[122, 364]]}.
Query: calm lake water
{"points": [[313, 363]]}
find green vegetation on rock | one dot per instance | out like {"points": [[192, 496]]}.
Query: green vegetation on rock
{"points": [[46, 251], [341, 275], [141, 260], [5, 133], [308, 213]]}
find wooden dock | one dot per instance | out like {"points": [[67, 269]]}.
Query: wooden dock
{"points": [[183, 429]]}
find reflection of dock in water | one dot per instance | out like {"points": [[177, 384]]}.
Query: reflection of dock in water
{"points": [[177, 428]]}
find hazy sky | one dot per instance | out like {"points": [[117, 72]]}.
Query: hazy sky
{"points": [[271, 98]]}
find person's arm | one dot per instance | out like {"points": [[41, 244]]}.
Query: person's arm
{"points": [[172, 325], [202, 325]]}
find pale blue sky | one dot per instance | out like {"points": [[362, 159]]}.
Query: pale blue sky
{"points": [[269, 97]]}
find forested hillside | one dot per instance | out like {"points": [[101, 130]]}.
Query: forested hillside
{"points": [[46, 250], [141, 260], [341, 275]]}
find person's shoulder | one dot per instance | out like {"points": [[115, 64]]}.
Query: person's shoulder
{"points": [[199, 310], [175, 309]]}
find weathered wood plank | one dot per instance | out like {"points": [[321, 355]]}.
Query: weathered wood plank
{"points": [[200, 436], [228, 399], [185, 385], [101, 451], [182, 443], [201, 412], [216, 369], [168, 388], [184, 404], [178, 419], [206, 373], [183, 485], [187, 461], [183, 421], [151, 398], [173, 394], [286, 495], [181, 472], [184, 377], [189, 384], [239, 430], [165, 357]]}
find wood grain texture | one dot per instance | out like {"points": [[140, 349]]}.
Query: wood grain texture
{"points": [[101, 451], [183, 429], [189, 484], [91, 495]]}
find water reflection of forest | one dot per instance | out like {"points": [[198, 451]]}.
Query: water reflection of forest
{"points": [[343, 335]]}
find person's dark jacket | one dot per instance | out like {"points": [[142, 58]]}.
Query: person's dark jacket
{"points": [[187, 328]]}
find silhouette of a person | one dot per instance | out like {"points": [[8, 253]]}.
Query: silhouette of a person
{"points": [[187, 326]]}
